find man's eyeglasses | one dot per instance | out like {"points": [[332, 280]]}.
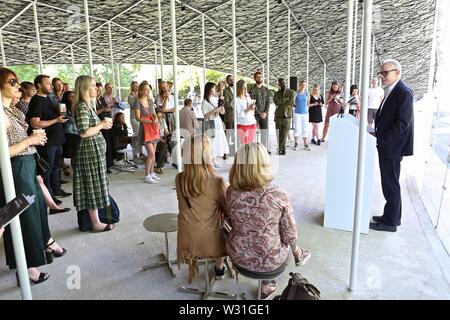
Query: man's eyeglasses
{"points": [[13, 82], [385, 73]]}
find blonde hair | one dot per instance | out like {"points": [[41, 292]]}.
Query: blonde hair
{"points": [[240, 87], [82, 85], [141, 89], [197, 164], [251, 168], [315, 89]]}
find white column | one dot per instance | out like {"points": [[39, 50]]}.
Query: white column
{"points": [[355, 36], [372, 65], [38, 38], [324, 77], [2, 48], [367, 21], [268, 41], [263, 71], [204, 55], [433, 49], [175, 85], [156, 70], [88, 37], [361, 51], [160, 40], [112, 56], [118, 82], [10, 194], [349, 49], [289, 47], [307, 64], [233, 17], [74, 77]]}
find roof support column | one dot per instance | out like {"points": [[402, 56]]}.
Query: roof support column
{"points": [[289, 47], [160, 41], [2, 49], [433, 49], [361, 51], [72, 57], [367, 21], [233, 17], [10, 194], [355, 36], [88, 37], [204, 54], [349, 49], [156, 71], [112, 57], [268, 42], [307, 64], [175, 85], [324, 77], [38, 38], [372, 65], [118, 82]]}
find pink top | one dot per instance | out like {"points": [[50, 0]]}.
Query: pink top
{"points": [[263, 228]]}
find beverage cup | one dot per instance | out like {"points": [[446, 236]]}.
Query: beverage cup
{"points": [[35, 131], [109, 120], [62, 108]]}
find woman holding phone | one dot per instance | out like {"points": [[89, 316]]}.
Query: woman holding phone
{"points": [[245, 108]]}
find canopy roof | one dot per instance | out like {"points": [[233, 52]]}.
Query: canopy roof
{"points": [[403, 30]]}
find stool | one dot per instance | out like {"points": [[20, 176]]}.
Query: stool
{"points": [[127, 165], [260, 276], [164, 222], [209, 282]]}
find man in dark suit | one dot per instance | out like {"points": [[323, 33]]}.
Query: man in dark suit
{"points": [[394, 130]]}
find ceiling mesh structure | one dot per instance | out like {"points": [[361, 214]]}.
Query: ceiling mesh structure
{"points": [[403, 30]]}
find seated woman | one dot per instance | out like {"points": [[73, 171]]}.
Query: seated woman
{"points": [[120, 134], [202, 206], [261, 215]]}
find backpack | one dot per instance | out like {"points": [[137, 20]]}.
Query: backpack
{"points": [[299, 288], [108, 215]]}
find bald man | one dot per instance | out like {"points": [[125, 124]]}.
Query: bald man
{"points": [[394, 130]]}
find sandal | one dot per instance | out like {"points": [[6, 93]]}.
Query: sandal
{"points": [[302, 258], [272, 289], [50, 253], [108, 227]]}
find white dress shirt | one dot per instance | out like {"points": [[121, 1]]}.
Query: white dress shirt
{"points": [[391, 87]]}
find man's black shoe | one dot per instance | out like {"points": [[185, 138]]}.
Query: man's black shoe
{"points": [[381, 219], [62, 193], [381, 226], [174, 165], [56, 200], [55, 211], [269, 153]]}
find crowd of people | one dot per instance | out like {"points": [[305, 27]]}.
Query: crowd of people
{"points": [[46, 121]]}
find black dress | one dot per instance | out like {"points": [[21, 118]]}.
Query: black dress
{"points": [[315, 112]]}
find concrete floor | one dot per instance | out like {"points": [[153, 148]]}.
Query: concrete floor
{"points": [[401, 265]]}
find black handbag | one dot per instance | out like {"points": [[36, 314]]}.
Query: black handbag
{"points": [[42, 166]]}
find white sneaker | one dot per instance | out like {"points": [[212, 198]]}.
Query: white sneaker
{"points": [[155, 177], [150, 180]]}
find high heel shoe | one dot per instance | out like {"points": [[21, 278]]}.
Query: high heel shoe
{"points": [[49, 252], [43, 276]]}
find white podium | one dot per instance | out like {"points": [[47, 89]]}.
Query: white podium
{"points": [[341, 175]]}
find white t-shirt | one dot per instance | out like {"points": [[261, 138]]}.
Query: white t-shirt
{"points": [[208, 107], [244, 118], [376, 95]]}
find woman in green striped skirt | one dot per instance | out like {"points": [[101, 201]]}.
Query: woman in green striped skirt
{"points": [[38, 243], [90, 180]]}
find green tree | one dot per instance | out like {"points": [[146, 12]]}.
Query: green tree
{"points": [[26, 72]]}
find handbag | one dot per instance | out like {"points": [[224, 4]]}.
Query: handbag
{"points": [[224, 225], [108, 215], [42, 166], [209, 127]]}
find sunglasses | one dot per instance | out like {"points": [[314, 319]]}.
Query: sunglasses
{"points": [[13, 82], [385, 73]]}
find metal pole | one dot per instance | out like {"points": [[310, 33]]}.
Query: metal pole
{"points": [[289, 47], [268, 41], [355, 35], [204, 48], [233, 17], [361, 54], [349, 49], [367, 21], [88, 37], [74, 77], [433, 50], [38, 38], [156, 70], [307, 64], [160, 41], [324, 77], [10, 194], [372, 65], [2, 48], [118, 82], [175, 85], [112, 54]]}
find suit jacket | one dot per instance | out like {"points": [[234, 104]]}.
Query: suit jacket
{"points": [[394, 124], [228, 95], [284, 102]]}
